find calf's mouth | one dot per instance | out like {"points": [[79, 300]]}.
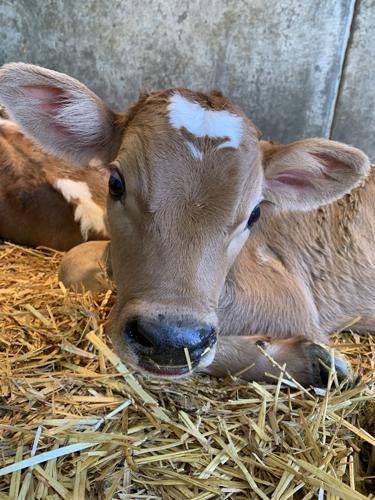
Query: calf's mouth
{"points": [[169, 348]]}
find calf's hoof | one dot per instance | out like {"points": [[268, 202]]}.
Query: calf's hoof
{"points": [[319, 362]]}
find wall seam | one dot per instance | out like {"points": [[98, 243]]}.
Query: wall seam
{"points": [[344, 53]]}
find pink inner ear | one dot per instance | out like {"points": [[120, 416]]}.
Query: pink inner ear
{"points": [[329, 162], [295, 178], [52, 98], [304, 179], [288, 180]]}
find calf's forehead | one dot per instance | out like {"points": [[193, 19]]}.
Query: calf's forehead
{"points": [[181, 138]]}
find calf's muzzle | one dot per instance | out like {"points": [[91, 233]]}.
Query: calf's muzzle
{"points": [[160, 343]]}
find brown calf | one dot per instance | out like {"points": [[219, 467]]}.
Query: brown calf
{"points": [[47, 201], [189, 178]]}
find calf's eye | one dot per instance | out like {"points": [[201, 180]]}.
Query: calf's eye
{"points": [[116, 184], [254, 216]]}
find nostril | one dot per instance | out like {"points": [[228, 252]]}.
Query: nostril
{"points": [[135, 332], [207, 332], [208, 335]]}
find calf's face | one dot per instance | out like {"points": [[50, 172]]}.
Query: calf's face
{"points": [[185, 182], [188, 176]]}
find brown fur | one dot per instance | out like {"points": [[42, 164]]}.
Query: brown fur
{"points": [[306, 267], [32, 211], [306, 272]]}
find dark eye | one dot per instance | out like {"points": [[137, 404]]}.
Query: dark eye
{"points": [[254, 216], [116, 184]]}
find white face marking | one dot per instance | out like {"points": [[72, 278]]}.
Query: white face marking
{"points": [[87, 212], [203, 122], [196, 152]]}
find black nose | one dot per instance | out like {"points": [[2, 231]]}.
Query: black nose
{"points": [[163, 341]]}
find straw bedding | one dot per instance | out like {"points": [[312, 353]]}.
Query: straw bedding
{"points": [[76, 423]]}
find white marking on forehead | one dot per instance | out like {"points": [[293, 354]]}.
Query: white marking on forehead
{"points": [[87, 212], [205, 122], [196, 152]]}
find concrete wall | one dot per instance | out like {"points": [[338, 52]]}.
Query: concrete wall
{"points": [[354, 119], [298, 67]]}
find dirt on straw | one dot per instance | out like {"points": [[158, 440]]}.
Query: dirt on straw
{"points": [[76, 423]]}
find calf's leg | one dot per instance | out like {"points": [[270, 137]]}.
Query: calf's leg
{"points": [[307, 362], [87, 267]]}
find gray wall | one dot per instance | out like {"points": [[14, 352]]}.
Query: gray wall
{"points": [[299, 68]]}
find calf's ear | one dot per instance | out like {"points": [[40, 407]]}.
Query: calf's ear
{"points": [[58, 112], [312, 172]]}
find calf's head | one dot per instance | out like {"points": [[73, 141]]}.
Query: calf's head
{"points": [[188, 179]]}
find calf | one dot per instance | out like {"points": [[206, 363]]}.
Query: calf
{"points": [[47, 201], [212, 231]]}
